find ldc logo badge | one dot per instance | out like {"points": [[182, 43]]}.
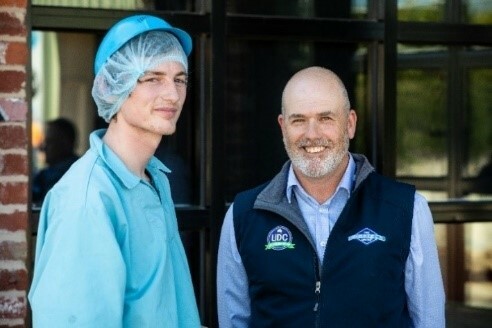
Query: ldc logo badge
{"points": [[279, 238]]}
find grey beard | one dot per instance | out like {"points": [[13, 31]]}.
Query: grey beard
{"points": [[316, 168]]}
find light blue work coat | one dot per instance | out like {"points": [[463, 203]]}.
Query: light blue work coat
{"points": [[108, 250]]}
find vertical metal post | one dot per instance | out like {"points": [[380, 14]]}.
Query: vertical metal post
{"points": [[386, 116], [216, 133]]}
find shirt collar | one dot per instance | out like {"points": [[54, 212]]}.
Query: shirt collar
{"points": [[346, 183], [115, 164]]}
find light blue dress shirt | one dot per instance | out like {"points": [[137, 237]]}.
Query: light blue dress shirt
{"points": [[108, 250], [423, 280]]}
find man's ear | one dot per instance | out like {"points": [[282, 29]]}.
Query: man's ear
{"points": [[280, 120], [351, 123]]}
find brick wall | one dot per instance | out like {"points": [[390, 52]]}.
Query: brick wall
{"points": [[14, 164]]}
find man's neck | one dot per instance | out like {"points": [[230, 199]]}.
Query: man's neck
{"points": [[322, 188], [134, 147]]}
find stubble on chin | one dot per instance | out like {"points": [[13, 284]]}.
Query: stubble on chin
{"points": [[319, 166]]}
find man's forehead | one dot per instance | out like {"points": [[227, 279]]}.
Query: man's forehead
{"points": [[314, 110]]}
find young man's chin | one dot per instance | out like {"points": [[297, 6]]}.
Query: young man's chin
{"points": [[168, 131]]}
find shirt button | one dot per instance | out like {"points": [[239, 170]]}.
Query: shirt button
{"points": [[323, 243]]}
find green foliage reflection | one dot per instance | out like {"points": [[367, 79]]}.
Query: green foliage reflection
{"points": [[421, 118]]}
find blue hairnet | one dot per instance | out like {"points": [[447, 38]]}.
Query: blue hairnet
{"points": [[119, 74]]}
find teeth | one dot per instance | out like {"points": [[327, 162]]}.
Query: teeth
{"points": [[314, 149]]}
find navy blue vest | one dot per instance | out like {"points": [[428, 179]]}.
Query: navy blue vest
{"points": [[361, 282]]}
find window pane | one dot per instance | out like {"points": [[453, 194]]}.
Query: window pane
{"points": [[434, 196], [478, 255], [257, 73], [359, 9], [478, 11], [421, 127], [421, 10], [360, 143], [301, 8], [61, 85], [176, 5], [465, 255], [477, 133]]}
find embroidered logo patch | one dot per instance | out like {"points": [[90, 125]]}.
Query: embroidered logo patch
{"points": [[367, 236], [279, 238]]}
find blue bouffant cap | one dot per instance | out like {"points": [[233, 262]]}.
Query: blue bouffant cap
{"points": [[128, 28]]}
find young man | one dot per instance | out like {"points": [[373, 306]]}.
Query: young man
{"points": [[328, 242], [108, 251]]}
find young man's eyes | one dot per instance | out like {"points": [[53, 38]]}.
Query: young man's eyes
{"points": [[156, 79], [149, 79], [145, 79], [181, 81]]}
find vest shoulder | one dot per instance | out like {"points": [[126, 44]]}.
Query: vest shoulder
{"points": [[250, 194], [390, 181], [389, 189]]}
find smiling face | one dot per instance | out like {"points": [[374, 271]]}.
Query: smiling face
{"points": [[316, 122], [156, 102]]}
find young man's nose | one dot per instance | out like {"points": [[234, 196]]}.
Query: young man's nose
{"points": [[169, 91]]}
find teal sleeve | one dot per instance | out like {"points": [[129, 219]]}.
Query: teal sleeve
{"points": [[79, 275]]}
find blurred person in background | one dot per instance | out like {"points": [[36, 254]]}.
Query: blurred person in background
{"points": [[59, 152]]}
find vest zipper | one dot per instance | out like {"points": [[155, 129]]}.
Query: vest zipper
{"points": [[317, 292]]}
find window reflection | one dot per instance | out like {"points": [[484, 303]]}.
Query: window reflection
{"points": [[475, 254], [478, 135], [62, 80], [360, 143], [421, 10], [102, 4], [432, 195], [421, 125], [301, 8], [175, 5], [477, 11], [478, 263]]}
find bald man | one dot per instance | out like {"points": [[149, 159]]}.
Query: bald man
{"points": [[328, 242]]}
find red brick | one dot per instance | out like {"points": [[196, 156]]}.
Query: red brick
{"points": [[11, 325], [12, 81], [14, 3], [11, 25], [13, 193], [14, 221], [10, 250], [3, 52], [13, 279], [12, 307], [12, 136], [13, 164], [15, 109], [16, 53]]}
